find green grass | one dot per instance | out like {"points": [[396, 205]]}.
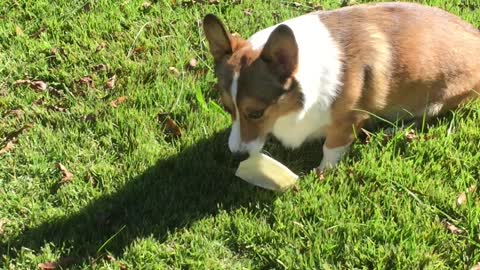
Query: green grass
{"points": [[146, 200]]}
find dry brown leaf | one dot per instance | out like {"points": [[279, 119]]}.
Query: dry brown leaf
{"points": [[16, 113], [476, 267], [118, 101], [192, 64], [47, 266], [38, 85], [56, 108], [39, 102], [37, 33], [88, 81], [19, 31], [368, 136], [66, 175], [111, 82], [101, 46], [174, 71], [22, 82], [451, 227], [410, 136], [462, 198], [110, 258], [169, 127], [12, 136], [320, 174], [247, 12], [146, 5], [7, 148], [138, 50], [100, 68], [35, 85], [90, 179], [55, 92], [2, 226], [122, 266], [53, 51], [61, 263]]}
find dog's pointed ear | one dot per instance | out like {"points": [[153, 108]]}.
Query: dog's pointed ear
{"points": [[281, 52], [217, 36]]}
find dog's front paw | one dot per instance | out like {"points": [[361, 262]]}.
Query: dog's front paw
{"points": [[320, 173], [327, 164], [323, 167]]}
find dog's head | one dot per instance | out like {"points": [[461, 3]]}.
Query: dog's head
{"points": [[257, 85]]}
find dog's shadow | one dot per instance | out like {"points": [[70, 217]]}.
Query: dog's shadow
{"points": [[171, 195], [177, 191]]}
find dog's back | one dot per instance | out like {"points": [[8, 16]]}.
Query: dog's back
{"points": [[410, 57]]}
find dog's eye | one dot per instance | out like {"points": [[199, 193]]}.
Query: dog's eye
{"points": [[255, 114]]}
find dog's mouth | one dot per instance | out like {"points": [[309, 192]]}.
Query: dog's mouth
{"points": [[239, 157]]}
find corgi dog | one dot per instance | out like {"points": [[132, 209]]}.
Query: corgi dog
{"points": [[323, 74]]}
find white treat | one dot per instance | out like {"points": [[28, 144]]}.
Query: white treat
{"points": [[263, 171]]}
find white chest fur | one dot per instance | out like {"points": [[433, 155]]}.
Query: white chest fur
{"points": [[292, 131], [318, 73]]}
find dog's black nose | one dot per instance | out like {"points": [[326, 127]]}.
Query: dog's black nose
{"points": [[239, 156]]}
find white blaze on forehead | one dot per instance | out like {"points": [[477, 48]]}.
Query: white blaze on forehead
{"points": [[234, 140], [234, 88]]}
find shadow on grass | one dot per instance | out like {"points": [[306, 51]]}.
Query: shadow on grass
{"points": [[171, 195]]}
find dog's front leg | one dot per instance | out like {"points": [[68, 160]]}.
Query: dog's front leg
{"points": [[331, 156], [340, 136]]}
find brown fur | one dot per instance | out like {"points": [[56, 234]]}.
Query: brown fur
{"points": [[391, 64], [398, 59]]}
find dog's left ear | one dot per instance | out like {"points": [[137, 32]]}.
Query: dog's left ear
{"points": [[281, 52], [217, 36]]}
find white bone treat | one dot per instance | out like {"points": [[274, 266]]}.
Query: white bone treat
{"points": [[264, 171]]}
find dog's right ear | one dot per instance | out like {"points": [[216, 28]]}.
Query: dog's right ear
{"points": [[217, 36]]}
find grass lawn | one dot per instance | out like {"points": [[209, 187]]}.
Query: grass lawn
{"points": [[135, 193]]}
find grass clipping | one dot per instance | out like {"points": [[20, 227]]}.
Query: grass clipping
{"points": [[264, 171]]}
